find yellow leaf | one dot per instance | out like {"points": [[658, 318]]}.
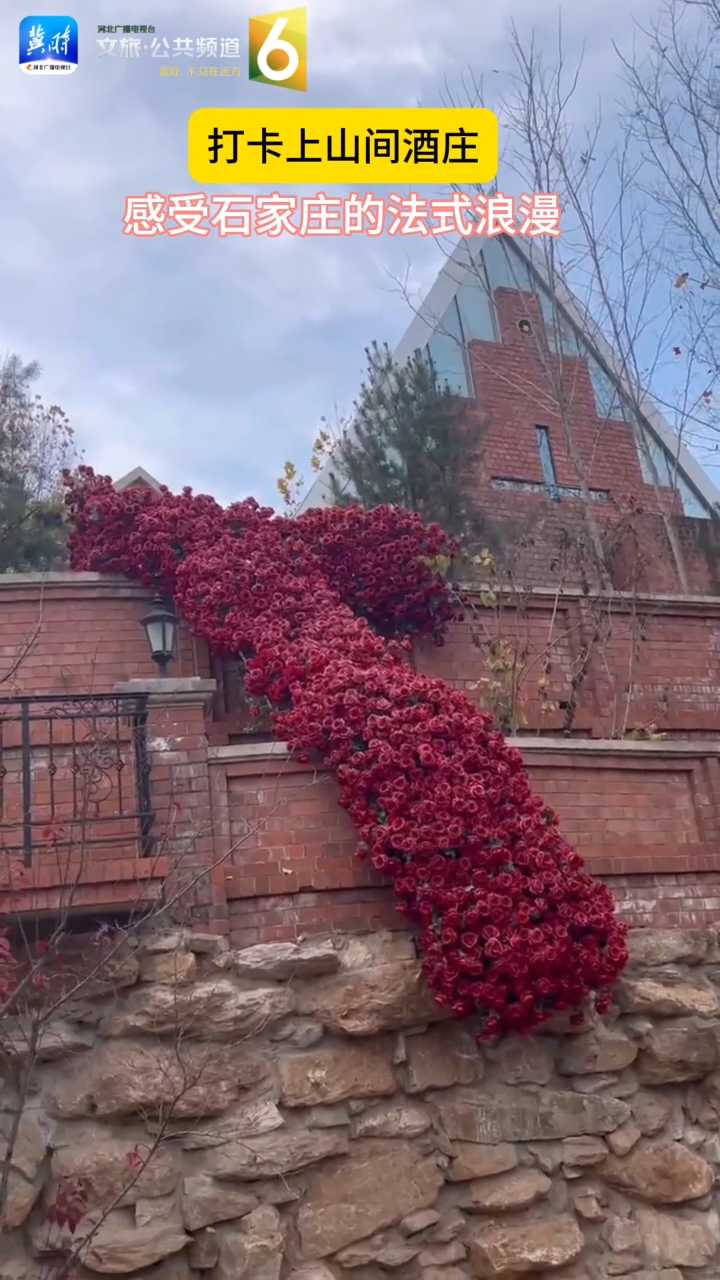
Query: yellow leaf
{"points": [[438, 564]]}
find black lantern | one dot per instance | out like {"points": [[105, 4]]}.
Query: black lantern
{"points": [[161, 630]]}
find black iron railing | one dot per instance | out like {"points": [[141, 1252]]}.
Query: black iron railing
{"points": [[74, 775]]}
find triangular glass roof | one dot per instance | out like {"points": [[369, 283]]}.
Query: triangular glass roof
{"points": [[459, 308]]}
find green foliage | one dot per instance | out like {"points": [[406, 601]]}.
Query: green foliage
{"points": [[36, 443], [409, 445]]}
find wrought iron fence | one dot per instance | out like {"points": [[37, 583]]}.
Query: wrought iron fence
{"points": [[75, 775]]}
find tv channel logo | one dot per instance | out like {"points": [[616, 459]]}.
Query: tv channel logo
{"points": [[278, 49], [48, 44]]}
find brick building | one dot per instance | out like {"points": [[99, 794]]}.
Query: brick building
{"points": [[119, 786], [558, 435]]}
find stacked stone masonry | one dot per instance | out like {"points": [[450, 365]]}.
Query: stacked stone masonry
{"points": [[304, 1111]]}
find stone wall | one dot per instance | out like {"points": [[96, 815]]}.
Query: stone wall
{"points": [[304, 1110]]}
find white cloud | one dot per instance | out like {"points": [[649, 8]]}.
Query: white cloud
{"points": [[210, 363]]}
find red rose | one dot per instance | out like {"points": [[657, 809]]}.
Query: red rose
{"points": [[321, 608]]}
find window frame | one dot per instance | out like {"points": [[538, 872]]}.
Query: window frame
{"points": [[547, 462]]}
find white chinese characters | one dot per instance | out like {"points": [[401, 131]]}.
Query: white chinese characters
{"points": [[179, 47]]}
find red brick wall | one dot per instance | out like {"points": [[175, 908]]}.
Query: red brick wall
{"points": [[84, 635], [520, 384], [278, 848], [640, 809], [529, 627], [291, 868], [75, 634], [291, 917], [649, 823], [79, 633], [655, 661], [185, 824], [636, 814], [685, 901], [179, 855]]}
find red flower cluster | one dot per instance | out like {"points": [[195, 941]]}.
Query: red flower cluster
{"points": [[511, 926]]}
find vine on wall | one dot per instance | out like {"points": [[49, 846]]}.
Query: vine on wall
{"points": [[322, 608]]}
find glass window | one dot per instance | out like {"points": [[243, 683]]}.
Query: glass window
{"points": [[655, 462], [476, 309], [506, 269], [447, 349], [658, 467], [546, 458], [560, 335], [607, 395], [692, 503]]}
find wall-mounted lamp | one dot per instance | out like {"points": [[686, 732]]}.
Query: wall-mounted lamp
{"points": [[161, 630]]}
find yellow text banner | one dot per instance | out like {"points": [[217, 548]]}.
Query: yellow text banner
{"points": [[322, 146]]}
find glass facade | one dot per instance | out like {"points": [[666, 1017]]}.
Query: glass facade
{"points": [[476, 309], [505, 268], [447, 350], [658, 467], [471, 314], [560, 335], [607, 396], [546, 458]]}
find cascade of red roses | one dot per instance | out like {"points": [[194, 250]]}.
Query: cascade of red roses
{"points": [[322, 607]]}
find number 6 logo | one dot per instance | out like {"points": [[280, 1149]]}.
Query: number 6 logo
{"points": [[278, 49], [275, 44]]}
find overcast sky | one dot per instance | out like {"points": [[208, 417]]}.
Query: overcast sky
{"points": [[210, 362]]}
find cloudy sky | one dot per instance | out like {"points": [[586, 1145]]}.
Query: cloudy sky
{"points": [[210, 362]]}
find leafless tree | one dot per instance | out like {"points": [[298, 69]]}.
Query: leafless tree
{"points": [[637, 174], [671, 117]]}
